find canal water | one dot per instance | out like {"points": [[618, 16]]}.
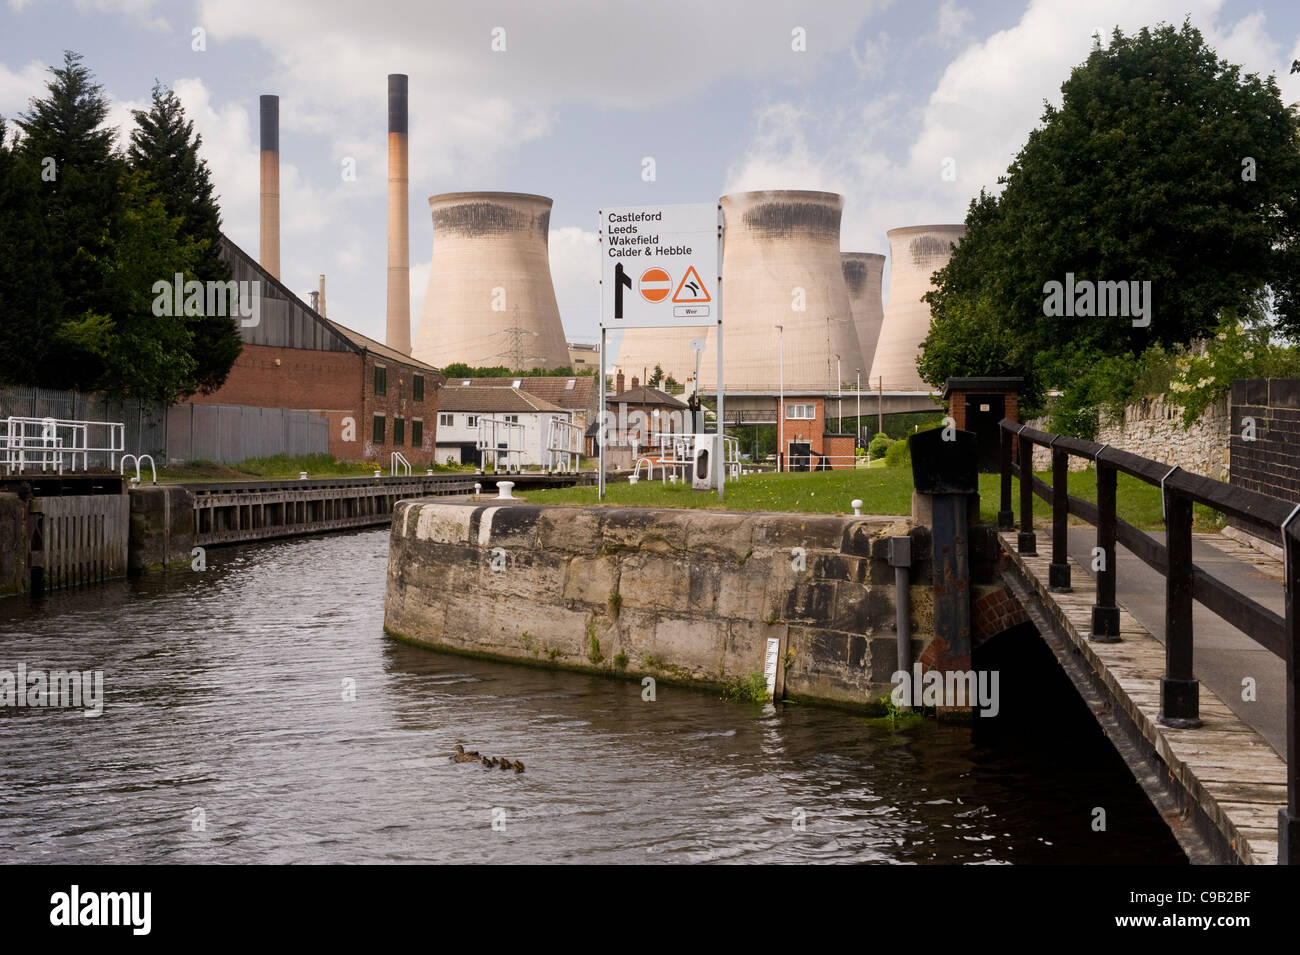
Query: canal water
{"points": [[226, 737]]}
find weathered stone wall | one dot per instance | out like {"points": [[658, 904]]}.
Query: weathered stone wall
{"points": [[681, 595], [162, 527], [1153, 429]]}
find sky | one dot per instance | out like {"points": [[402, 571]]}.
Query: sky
{"points": [[867, 98]]}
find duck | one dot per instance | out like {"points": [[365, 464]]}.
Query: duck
{"points": [[519, 766], [461, 756]]}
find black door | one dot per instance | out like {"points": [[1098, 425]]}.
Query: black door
{"points": [[983, 412], [799, 455]]}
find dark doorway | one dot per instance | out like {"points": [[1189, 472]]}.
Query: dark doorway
{"points": [[983, 412], [800, 452]]}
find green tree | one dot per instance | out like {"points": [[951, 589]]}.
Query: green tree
{"points": [[165, 148], [1163, 164], [656, 376], [63, 136], [29, 301]]}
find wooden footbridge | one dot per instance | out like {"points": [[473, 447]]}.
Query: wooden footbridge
{"points": [[1227, 794]]}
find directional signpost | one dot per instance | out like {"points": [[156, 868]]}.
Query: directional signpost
{"points": [[660, 267]]}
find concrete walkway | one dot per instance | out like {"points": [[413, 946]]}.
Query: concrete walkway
{"points": [[1224, 656]]}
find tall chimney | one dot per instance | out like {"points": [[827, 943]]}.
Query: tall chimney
{"points": [[321, 309], [269, 245], [398, 332], [618, 388]]}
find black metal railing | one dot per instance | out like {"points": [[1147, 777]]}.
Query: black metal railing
{"points": [[1184, 580]]}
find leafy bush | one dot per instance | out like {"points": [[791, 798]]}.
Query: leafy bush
{"points": [[899, 455], [1203, 376], [879, 445]]}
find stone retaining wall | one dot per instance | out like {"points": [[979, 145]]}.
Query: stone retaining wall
{"points": [[685, 595], [1153, 429]]}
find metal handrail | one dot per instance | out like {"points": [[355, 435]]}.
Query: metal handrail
{"points": [[137, 458], [1185, 581], [397, 460]]}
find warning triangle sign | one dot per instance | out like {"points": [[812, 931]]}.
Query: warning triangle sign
{"points": [[692, 288]]}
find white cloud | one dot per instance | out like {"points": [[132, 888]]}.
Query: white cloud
{"points": [[952, 22], [17, 87]]}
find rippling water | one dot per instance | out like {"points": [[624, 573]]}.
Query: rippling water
{"points": [[224, 692]]}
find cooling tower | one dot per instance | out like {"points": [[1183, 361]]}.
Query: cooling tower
{"points": [[490, 300], [915, 253], [781, 266], [268, 248], [862, 274], [398, 328]]}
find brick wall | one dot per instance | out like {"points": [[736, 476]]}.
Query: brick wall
{"points": [[398, 401], [1270, 462], [301, 378]]}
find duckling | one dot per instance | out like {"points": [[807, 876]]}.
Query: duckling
{"points": [[487, 763], [519, 766], [505, 763]]}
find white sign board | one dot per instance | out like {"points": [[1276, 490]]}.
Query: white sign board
{"points": [[659, 266]]}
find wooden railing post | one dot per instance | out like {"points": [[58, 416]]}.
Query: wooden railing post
{"points": [[1105, 612], [1288, 819], [1006, 519], [1179, 688], [1058, 572], [1026, 542]]}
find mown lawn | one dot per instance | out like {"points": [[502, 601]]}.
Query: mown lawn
{"points": [[882, 491]]}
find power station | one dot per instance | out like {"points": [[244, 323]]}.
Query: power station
{"points": [[490, 300]]}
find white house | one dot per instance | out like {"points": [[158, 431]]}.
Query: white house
{"points": [[505, 425]]}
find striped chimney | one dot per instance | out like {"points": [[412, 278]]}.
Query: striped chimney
{"points": [[269, 244], [398, 332]]}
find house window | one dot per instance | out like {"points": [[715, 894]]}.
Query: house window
{"points": [[417, 388], [399, 431], [381, 380], [800, 412], [471, 421], [445, 421], [417, 433], [379, 429], [512, 417]]}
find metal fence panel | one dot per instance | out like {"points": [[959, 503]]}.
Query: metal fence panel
{"points": [[222, 434]]}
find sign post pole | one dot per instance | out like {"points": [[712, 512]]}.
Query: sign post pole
{"points": [[600, 422]]}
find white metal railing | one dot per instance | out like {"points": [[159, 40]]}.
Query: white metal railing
{"points": [[57, 443], [138, 458], [636, 471], [560, 451], [399, 464], [498, 439]]}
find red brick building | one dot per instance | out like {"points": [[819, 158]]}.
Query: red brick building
{"points": [[377, 400], [808, 445]]}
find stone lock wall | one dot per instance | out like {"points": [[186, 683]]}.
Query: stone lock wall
{"points": [[684, 595]]}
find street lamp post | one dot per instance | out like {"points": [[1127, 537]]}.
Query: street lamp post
{"points": [[839, 392], [780, 405], [857, 419]]}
